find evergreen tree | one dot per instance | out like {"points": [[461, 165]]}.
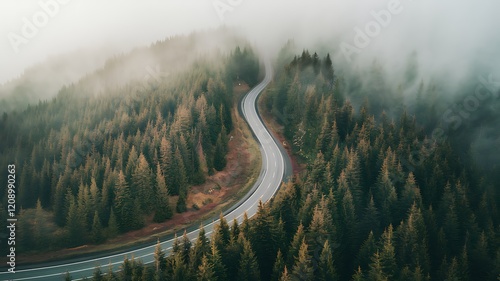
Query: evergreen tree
{"points": [[326, 269], [285, 276], [294, 248], [159, 259], [303, 270], [163, 211], [249, 268], [185, 248], [205, 270], [278, 267], [358, 275], [39, 225], [387, 255], [67, 277], [200, 248], [235, 230], [376, 272], [142, 181], [96, 233], [113, 227], [97, 275], [181, 203], [218, 266], [220, 153], [124, 204], [264, 240], [366, 251], [75, 224]]}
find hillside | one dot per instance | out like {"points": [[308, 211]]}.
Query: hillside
{"points": [[109, 152]]}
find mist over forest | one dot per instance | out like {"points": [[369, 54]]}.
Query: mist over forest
{"points": [[448, 48]]}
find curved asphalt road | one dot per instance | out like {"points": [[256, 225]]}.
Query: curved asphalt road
{"points": [[275, 165]]}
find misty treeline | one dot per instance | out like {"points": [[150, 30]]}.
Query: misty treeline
{"points": [[93, 165]]}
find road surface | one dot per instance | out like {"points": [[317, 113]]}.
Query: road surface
{"points": [[275, 166]]}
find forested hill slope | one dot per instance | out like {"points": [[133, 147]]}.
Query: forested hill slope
{"points": [[391, 204], [110, 150]]}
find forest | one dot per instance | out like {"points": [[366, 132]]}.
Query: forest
{"points": [[362, 209], [104, 157]]}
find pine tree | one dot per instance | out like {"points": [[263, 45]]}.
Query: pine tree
{"points": [[366, 251], [166, 160], [387, 255], [163, 211], [159, 259], [132, 162], [358, 275], [453, 272], [96, 233], [179, 269], [376, 272], [370, 221], [245, 226], [385, 195], [24, 233], [303, 269], [326, 269], [285, 276], [138, 219], [220, 153], [113, 227], [295, 246], [235, 230], [185, 248], [218, 266], [205, 270], [142, 182], [111, 275], [264, 240], [126, 269], [75, 225], [249, 268], [201, 247], [221, 234], [39, 226], [123, 204], [178, 174], [97, 275], [328, 69], [279, 265], [181, 203], [67, 277], [176, 245]]}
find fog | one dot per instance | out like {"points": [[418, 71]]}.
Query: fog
{"points": [[453, 42], [448, 36]]}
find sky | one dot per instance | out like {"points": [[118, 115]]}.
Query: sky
{"points": [[449, 35]]}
